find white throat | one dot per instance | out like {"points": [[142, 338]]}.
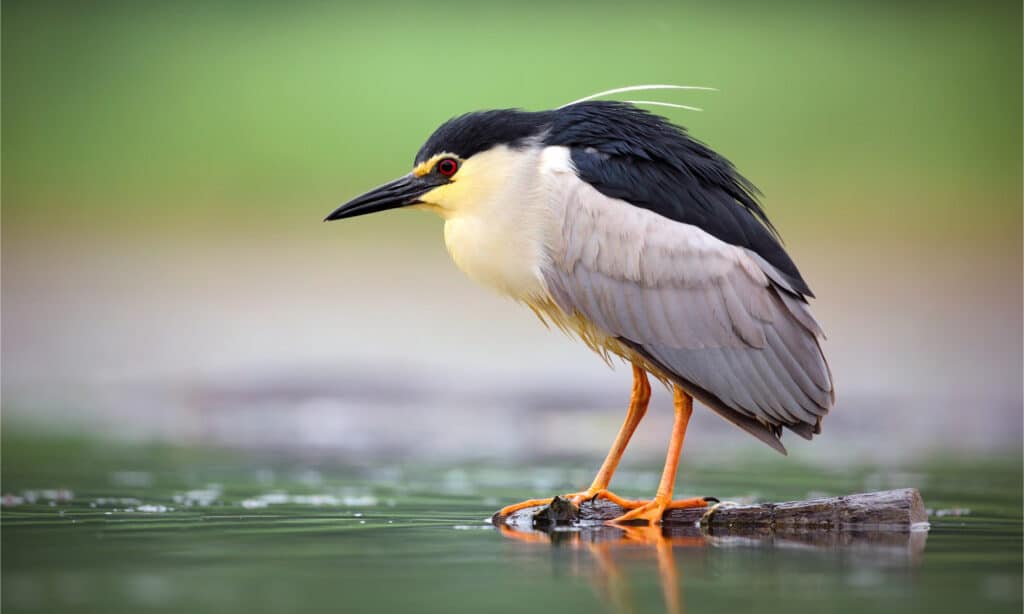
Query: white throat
{"points": [[499, 223]]}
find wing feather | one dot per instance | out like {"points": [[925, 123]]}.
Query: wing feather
{"points": [[722, 321]]}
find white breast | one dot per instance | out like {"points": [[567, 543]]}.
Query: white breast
{"points": [[501, 238]]}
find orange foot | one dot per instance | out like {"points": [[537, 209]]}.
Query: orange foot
{"points": [[576, 497], [652, 511], [590, 494]]}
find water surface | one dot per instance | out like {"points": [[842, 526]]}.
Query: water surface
{"points": [[98, 527]]}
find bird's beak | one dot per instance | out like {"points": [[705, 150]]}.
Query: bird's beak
{"points": [[405, 190]]}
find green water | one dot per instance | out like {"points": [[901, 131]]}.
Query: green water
{"points": [[154, 528]]}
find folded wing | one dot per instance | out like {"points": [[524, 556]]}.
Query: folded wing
{"points": [[716, 318]]}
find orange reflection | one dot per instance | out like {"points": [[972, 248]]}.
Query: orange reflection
{"points": [[605, 543]]}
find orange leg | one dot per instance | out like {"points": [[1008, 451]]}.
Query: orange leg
{"points": [[651, 511], [638, 402]]}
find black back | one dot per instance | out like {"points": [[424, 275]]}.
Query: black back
{"points": [[641, 158]]}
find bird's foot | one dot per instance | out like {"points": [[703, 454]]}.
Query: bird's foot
{"points": [[577, 499], [508, 510], [640, 509], [593, 494], [652, 511]]}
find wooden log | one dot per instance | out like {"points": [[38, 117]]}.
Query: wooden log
{"points": [[884, 511]]}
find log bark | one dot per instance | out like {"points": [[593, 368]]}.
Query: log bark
{"points": [[884, 511]]}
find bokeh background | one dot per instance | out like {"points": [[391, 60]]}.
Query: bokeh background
{"points": [[166, 166]]}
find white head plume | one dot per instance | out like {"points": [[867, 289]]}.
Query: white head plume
{"points": [[642, 88]]}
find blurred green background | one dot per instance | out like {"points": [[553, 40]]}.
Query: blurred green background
{"points": [[199, 114], [166, 167]]}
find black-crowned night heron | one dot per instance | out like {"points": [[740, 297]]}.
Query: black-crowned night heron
{"points": [[616, 226]]}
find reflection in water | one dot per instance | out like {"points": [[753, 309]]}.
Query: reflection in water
{"points": [[605, 544], [613, 550]]}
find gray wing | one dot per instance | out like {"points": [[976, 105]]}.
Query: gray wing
{"points": [[718, 319]]}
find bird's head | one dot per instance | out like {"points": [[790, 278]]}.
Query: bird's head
{"points": [[464, 161]]}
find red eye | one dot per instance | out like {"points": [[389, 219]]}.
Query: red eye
{"points": [[447, 166]]}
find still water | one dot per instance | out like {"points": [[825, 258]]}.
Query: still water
{"points": [[88, 526]]}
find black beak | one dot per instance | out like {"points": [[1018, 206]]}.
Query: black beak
{"points": [[405, 190]]}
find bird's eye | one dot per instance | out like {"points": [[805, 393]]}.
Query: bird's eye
{"points": [[447, 166]]}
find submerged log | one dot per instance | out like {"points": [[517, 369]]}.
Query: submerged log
{"points": [[890, 510]]}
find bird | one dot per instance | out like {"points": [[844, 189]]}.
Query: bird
{"points": [[623, 230]]}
